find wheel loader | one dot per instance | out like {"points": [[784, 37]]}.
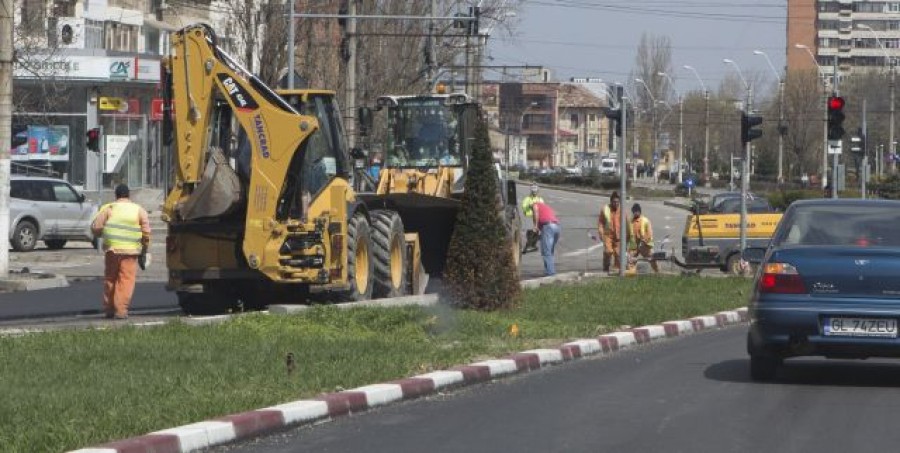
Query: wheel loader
{"points": [[424, 157], [262, 208]]}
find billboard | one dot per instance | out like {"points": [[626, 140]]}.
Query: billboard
{"points": [[43, 143]]}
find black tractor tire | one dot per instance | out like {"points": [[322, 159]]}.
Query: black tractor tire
{"points": [[360, 264], [55, 244], [514, 226], [259, 295], [215, 300], [389, 252], [25, 236]]}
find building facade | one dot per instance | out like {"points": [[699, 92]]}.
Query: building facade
{"points": [[860, 35], [583, 127]]}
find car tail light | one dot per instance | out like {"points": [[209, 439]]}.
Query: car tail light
{"points": [[781, 278]]}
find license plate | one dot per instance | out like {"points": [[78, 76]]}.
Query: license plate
{"points": [[861, 327]]}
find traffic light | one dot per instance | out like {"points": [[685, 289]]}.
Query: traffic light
{"points": [[835, 118], [93, 139], [858, 142], [475, 14], [748, 122], [615, 115]]}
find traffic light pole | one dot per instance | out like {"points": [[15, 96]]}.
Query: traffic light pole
{"points": [[745, 176], [623, 176]]}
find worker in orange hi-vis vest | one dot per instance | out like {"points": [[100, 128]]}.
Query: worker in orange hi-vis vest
{"points": [[124, 227], [608, 229], [640, 236]]}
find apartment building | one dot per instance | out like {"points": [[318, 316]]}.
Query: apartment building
{"points": [[583, 127], [861, 35], [531, 108]]}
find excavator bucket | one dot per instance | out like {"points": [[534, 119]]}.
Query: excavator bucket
{"points": [[218, 192]]}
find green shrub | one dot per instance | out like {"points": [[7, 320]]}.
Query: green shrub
{"points": [[480, 271], [887, 188]]}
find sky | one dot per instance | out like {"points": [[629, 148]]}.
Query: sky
{"points": [[599, 38]]}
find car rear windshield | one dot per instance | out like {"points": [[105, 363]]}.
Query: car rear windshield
{"points": [[842, 225]]}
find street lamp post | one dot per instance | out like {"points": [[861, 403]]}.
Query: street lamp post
{"points": [[745, 168], [890, 61], [825, 113], [680, 125], [781, 129], [655, 144], [706, 127]]}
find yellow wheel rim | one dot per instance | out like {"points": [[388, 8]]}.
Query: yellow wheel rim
{"points": [[362, 267], [396, 263]]}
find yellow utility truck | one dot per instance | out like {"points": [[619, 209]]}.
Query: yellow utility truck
{"points": [[261, 208], [712, 240]]}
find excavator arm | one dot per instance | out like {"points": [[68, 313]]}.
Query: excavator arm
{"points": [[207, 189]]}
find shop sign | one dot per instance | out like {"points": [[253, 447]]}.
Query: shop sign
{"points": [[110, 103], [156, 109], [116, 147], [80, 67], [44, 143]]}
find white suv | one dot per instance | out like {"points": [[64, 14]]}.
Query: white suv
{"points": [[49, 210]]}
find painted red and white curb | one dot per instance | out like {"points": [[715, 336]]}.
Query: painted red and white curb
{"points": [[245, 425]]}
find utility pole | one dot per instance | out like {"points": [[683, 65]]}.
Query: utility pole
{"points": [[891, 143], [745, 176], [351, 73], [623, 225], [781, 131], [681, 140], [432, 69], [834, 179], [6, 85], [706, 144]]}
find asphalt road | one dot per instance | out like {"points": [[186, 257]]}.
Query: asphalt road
{"points": [[578, 215], [80, 298], [685, 395]]}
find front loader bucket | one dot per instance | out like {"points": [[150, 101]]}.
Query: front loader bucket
{"points": [[432, 218]]}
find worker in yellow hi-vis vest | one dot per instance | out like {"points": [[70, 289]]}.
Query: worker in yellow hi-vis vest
{"points": [[124, 228], [640, 234]]}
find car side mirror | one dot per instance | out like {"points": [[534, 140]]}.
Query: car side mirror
{"points": [[754, 255], [511, 193], [81, 198]]}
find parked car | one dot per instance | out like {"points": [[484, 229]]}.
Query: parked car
{"points": [[49, 210], [827, 284], [608, 166]]}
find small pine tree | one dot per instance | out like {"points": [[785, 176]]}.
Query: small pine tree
{"points": [[480, 272]]}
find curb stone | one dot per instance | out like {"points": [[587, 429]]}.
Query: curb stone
{"points": [[245, 425]]}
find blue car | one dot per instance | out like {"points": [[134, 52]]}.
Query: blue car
{"points": [[827, 285]]}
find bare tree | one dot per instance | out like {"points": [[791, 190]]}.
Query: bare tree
{"points": [[803, 117]]}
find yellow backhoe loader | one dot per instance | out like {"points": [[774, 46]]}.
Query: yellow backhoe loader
{"points": [[261, 208]]}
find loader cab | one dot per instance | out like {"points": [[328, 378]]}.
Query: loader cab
{"points": [[326, 155], [425, 131]]}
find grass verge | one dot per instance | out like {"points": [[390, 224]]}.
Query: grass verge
{"points": [[71, 389]]}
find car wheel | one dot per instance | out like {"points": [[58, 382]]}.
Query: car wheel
{"points": [[763, 367], [55, 244], [24, 236]]}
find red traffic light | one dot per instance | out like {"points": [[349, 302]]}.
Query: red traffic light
{"points": [[835, 103], [93, 139]]}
